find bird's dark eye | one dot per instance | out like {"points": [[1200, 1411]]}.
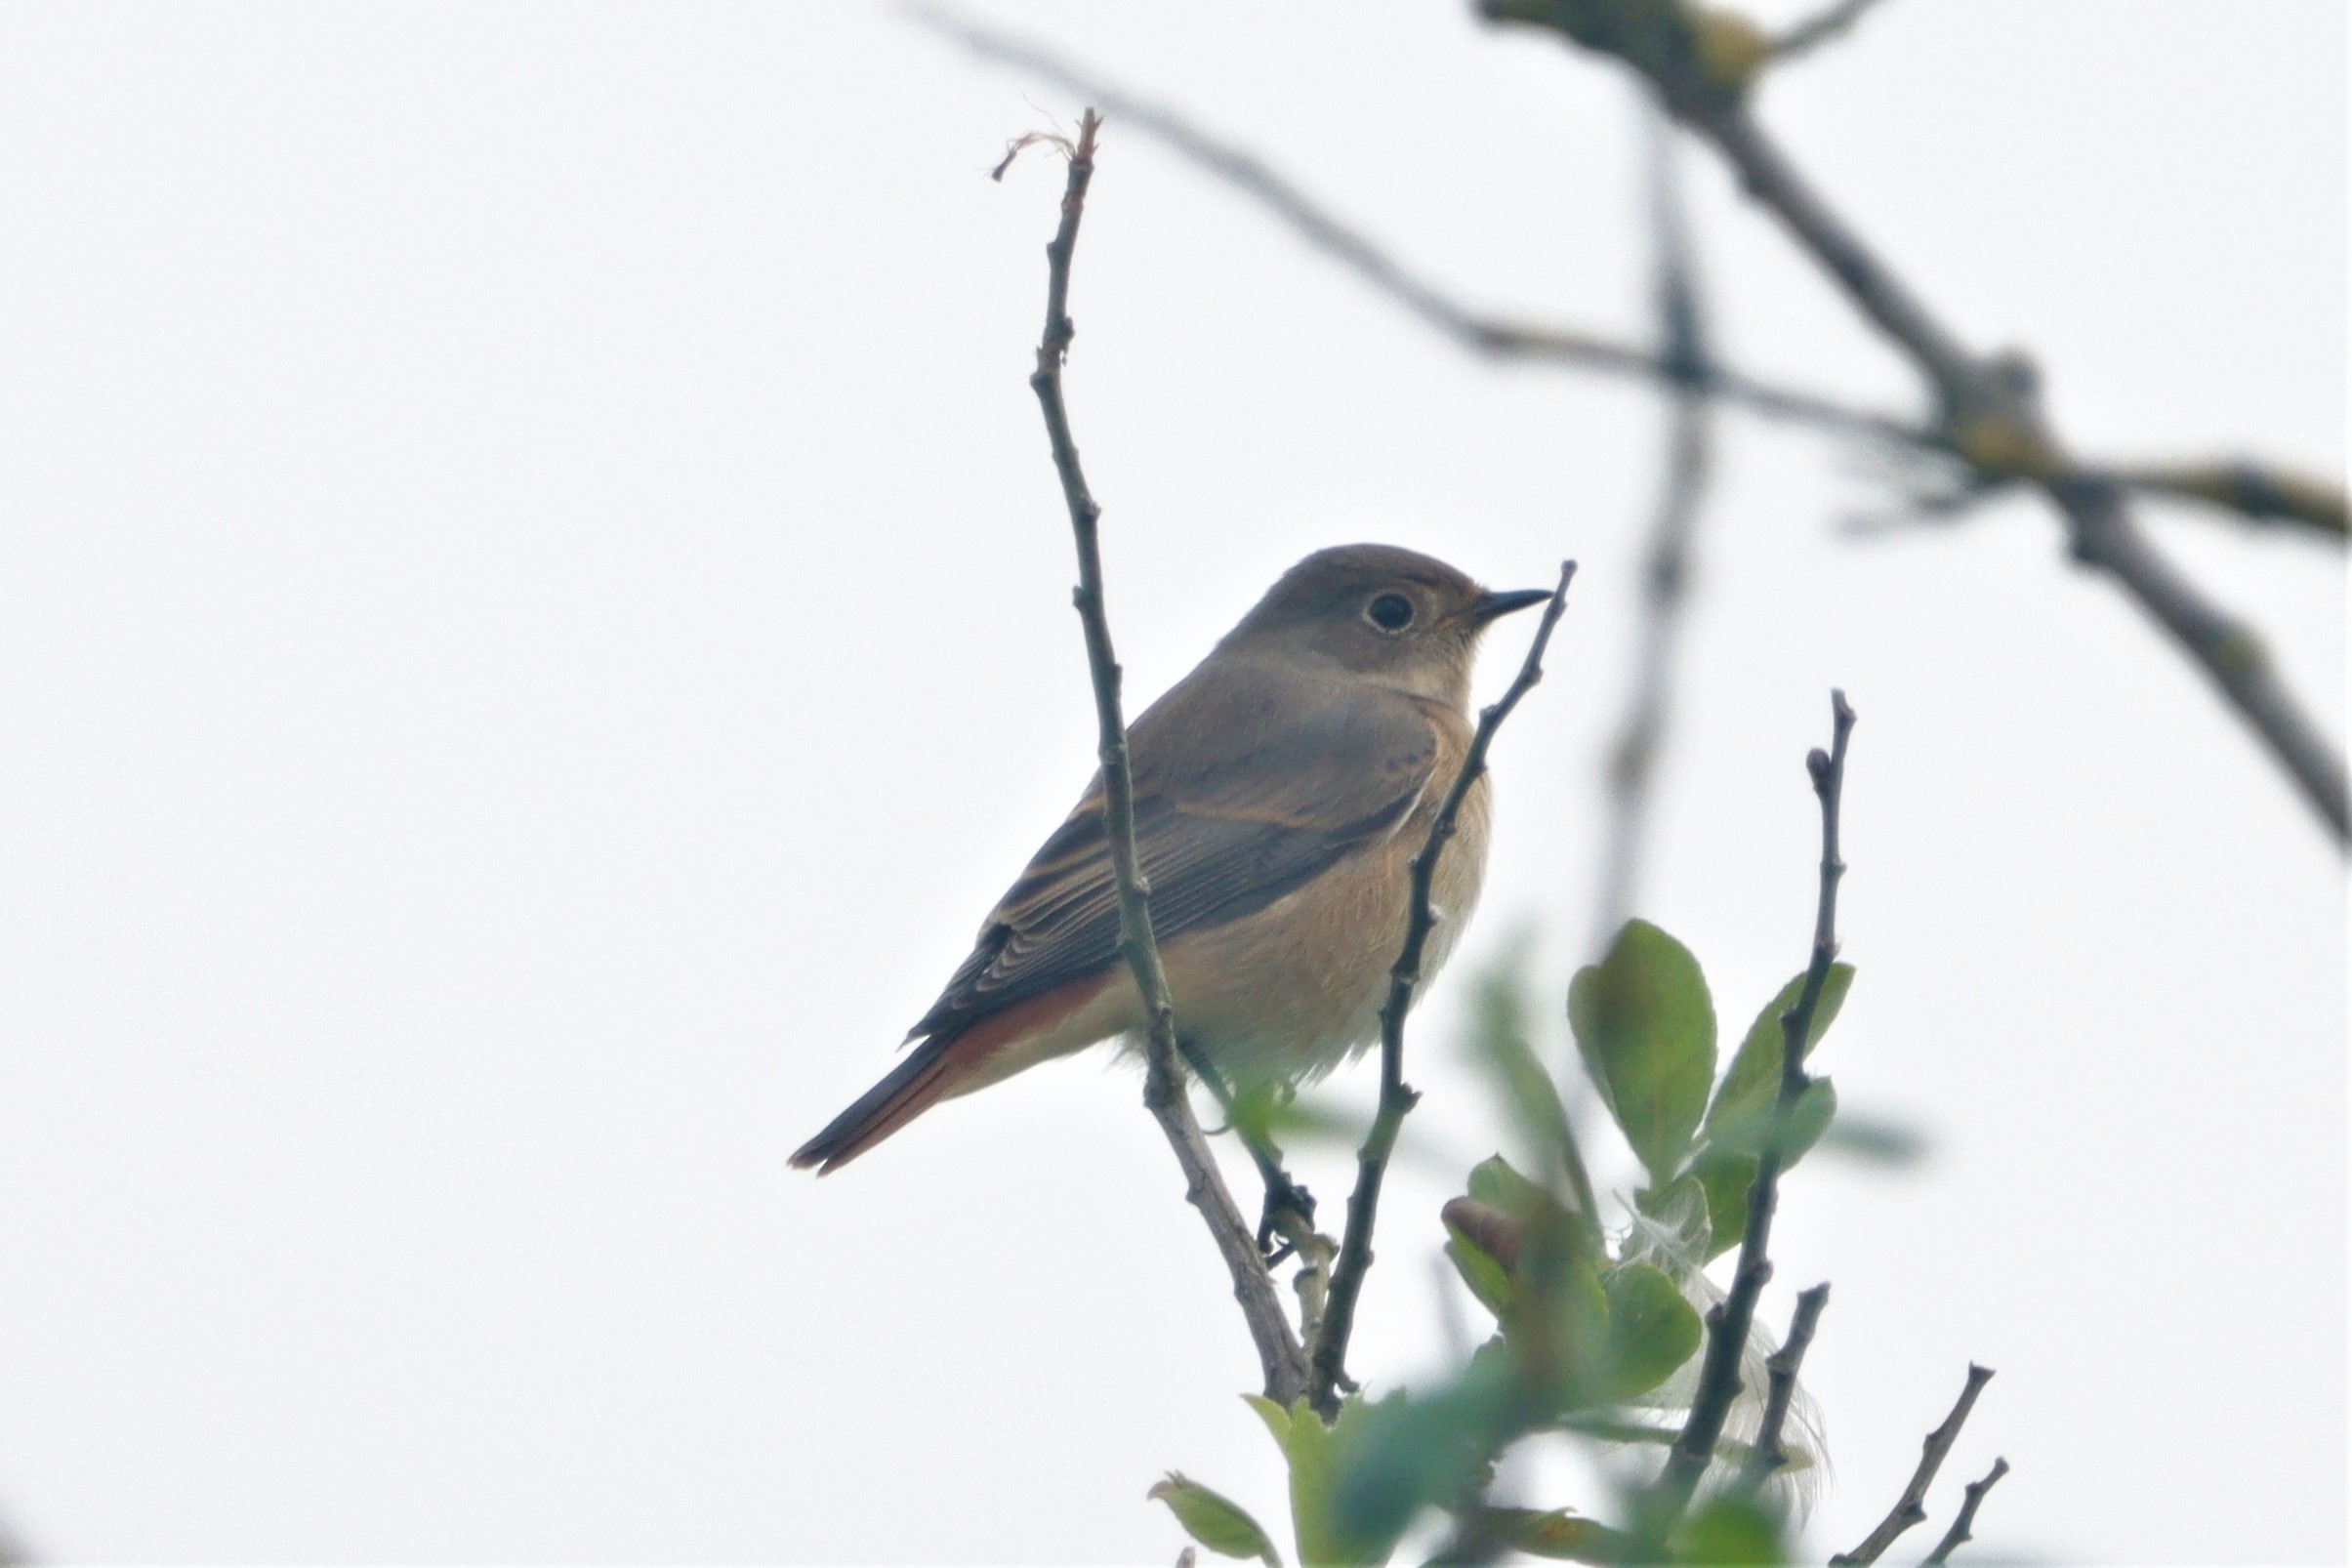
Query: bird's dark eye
{"points": [[1390, 612]]}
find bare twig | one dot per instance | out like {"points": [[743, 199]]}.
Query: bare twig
{"points": [[1989, 412], [1958, 1535], [1666, 576], [1329, 1362], [1278, 1350], [1767, 1456], [1911, 1507], [1997, 424], [1361, 255], [1728, 1322]]}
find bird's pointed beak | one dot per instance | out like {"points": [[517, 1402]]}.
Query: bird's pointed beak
{"points": [[1491, 605]]}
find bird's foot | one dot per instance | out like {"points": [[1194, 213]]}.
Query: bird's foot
{"points": [[1283, 1198]]}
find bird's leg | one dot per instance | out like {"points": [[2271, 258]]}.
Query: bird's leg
{"points": [[1285, 1197]]}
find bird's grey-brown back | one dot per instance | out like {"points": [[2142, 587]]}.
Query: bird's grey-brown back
{"points": [[1281, 789]]}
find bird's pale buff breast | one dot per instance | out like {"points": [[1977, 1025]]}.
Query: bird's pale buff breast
{"points": [[1292, 990]]}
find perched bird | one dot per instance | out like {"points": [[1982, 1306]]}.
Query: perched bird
{"points": [[1281, 790]]}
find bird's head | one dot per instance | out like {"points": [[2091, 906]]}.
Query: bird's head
{"points": [[1405, 619]]}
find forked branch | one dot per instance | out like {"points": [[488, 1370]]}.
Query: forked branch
{"points": [[1989, 412], [1912, 1506], [1964, 1522]]}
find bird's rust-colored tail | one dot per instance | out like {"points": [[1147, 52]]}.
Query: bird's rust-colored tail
{"points": [[912, 1088], [954, 1062]]}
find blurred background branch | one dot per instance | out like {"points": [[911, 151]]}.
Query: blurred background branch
{"points": [[1316, 224], [1632, 761], [1819, 28], [1988, 412], [2255, 493]]}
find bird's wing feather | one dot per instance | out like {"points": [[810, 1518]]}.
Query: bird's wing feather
{"points": [[1249, 783]]}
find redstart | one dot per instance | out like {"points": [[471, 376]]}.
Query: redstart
{"points": [[1281, 790]]}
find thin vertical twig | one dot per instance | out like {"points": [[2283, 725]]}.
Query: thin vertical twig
{"points": [[1767, 1456], [1328, 1364], [1279, 1353], [1998, 424], [1728, 1322]]}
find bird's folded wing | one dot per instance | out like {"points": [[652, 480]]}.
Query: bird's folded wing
{"points": [[1248, 785]]}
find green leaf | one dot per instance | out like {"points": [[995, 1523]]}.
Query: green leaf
{"points": [[1494, 1182], [1558, 1533], [1481, 1270], [1540, 1216], [1216, 1521], [1312, 1451], [1729, 1529], [1751, 1087], [1815, 1109], [1726, 1179], [1875, 1139], [1808, 1119], [1277, 1419], [1557, 1321], [1652, 1330], [1407, 1453], [1578, 1323], [1727, 1171], [1646, 1029], [1273, 1116], [1498, 1043]]}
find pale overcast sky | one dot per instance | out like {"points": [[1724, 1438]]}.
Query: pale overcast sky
{"points": [[534, 621]]}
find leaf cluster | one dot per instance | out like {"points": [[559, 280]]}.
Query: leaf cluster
{"points": [[1584, 1323], [1645, 1027]]}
